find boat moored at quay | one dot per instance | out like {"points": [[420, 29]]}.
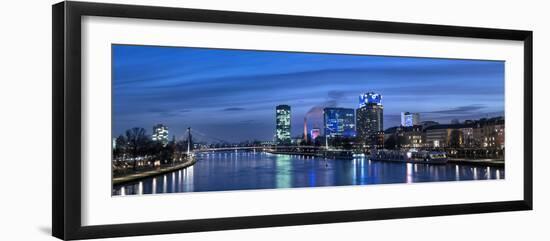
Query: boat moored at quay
{"points": [[411, 156]]}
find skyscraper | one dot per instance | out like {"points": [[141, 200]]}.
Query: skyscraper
{"points": [[160, 134], [410, 119], [282, 118], [339, 122], [370, 118]]}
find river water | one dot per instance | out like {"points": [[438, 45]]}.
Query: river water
{"points": [[244, 170]]}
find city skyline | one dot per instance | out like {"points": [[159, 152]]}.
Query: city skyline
{"points": [[233, 95]]}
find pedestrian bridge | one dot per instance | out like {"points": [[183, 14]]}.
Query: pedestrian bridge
{"points": [[296, 149], [236, 148]]}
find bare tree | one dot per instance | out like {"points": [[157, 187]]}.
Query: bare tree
{"points": [[137, 142], [120, 147]]}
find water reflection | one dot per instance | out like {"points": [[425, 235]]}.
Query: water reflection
{"points": [[362, 169], [283, 171], [259, 170], [409, 176], [164, 184]]}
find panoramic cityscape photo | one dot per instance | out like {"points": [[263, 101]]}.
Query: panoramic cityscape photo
{"points": [[189, 119]]}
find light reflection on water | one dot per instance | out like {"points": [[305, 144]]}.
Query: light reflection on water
{"points": [[283, 171], [258, 170], [410, 173]]}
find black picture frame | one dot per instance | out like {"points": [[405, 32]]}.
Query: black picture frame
{"points": [[66, 159]]}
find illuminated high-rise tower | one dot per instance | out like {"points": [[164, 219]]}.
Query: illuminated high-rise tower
{"points": [[160, 134], [282, 118], [370, 118]]}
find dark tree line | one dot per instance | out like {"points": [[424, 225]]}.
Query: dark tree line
{"points": [[136, 144]]}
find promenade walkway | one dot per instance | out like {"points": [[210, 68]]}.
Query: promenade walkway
{"points": [[155, 172], [478, 162]]}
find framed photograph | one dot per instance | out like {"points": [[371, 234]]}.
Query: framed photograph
{"points": [[169, 120]]}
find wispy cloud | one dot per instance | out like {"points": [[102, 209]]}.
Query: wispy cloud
{"points": [[234, 109], [460, 110]]}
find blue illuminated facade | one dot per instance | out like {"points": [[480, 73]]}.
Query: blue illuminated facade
{"points": [[370, 98], [339, 122], [410, 119]]}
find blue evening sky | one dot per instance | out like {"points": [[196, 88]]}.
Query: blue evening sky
{"points": [[231, 95]]}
